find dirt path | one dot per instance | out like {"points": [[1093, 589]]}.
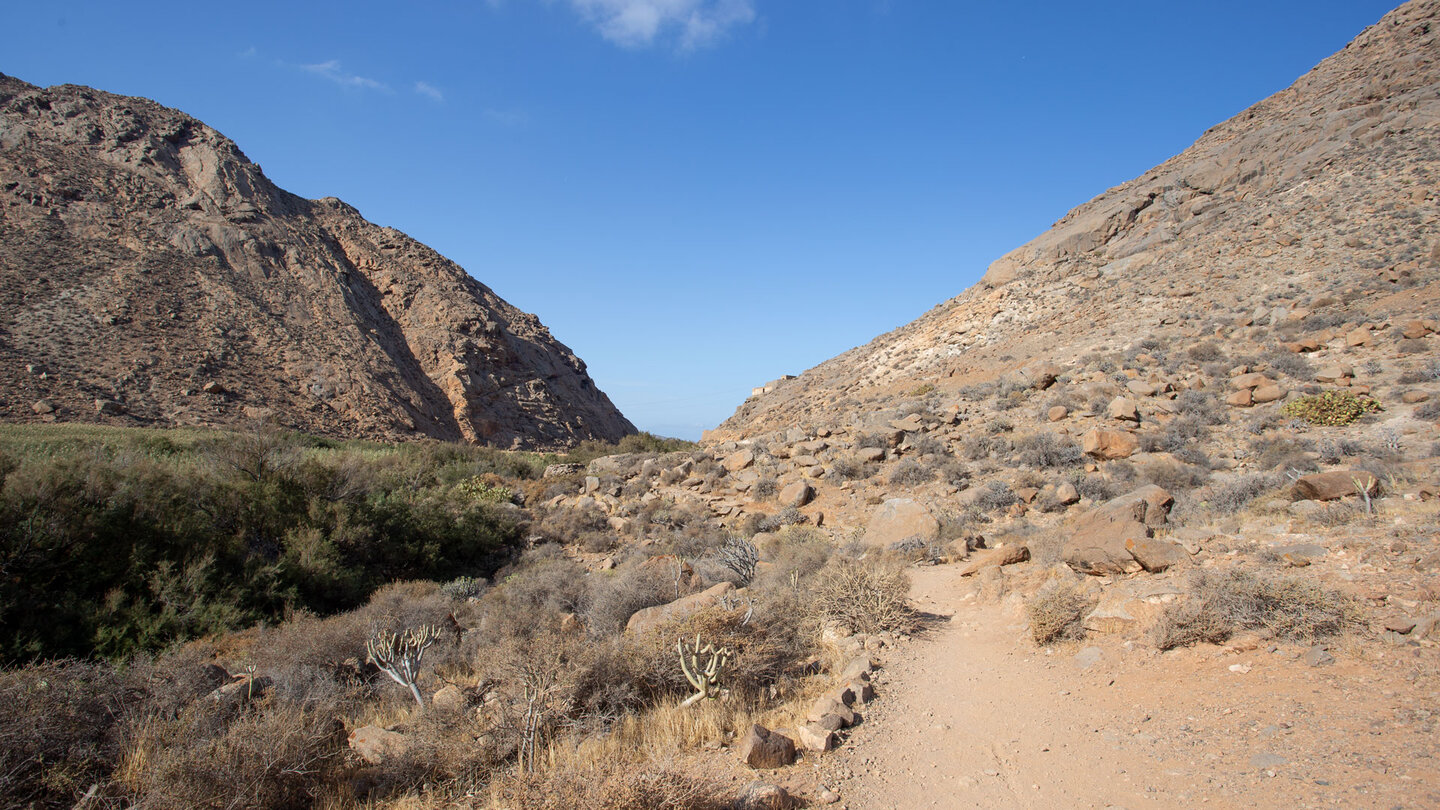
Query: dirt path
{"points": [[973, 715]]}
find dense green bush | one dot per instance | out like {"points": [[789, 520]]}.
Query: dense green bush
{"points": [[1331, 408], [110, 546]]}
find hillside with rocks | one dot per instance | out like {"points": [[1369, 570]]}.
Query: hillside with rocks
{"points": [[1148, 517], [150, 274], [1313, 210]]}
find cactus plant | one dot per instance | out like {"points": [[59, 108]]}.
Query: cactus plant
{"points": [[399, 655], [706, 679]]}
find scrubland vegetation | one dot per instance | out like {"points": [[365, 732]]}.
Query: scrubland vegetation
{"points": [[185, 618]]}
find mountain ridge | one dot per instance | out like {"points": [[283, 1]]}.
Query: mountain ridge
{"points": [[224, 298]]}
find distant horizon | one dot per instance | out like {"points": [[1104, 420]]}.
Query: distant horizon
{"points": [[699, 196]]}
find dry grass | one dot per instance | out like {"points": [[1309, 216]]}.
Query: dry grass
{"points": [[1055, 614], [1223, 603], [863, 596]]}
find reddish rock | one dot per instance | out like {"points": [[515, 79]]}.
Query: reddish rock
{"points": [[900, 519], [762, 748], [1108, 444], [1333, 485]]}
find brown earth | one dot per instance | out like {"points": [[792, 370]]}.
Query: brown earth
{"points": [[975, 715], [151, 274]]}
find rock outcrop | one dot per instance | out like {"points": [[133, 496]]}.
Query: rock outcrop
{"points": [[151, 274]]}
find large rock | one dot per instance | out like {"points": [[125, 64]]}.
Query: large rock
{"points": [[1104, 537], [647, 619], [1108, 445], [1008, 554], [1156, 554], [762, 748], [1123, 409], [900, 519], [797, 494], [739, 460], [815, 737], [1333, 485], [375, 744]]}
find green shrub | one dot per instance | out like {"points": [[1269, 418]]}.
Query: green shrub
{"points": [[1330, 408]]}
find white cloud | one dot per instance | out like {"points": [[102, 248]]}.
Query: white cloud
{"points": [[691, 23], [430, 90], [331, 70]]}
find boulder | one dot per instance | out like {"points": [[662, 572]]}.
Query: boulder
{"points": [[1122, 409], [1250, 381], [1108, 444], [797, 494], [900, 519], [1066, 493], [1243, 398], [858, 669], [557, 470], [831, 706], [241, 690], [763, 748], [449, 698], [1008, 554], [1267, 393], [650, 618], [43, 406], [815, 737], [1415, 329], [1333, 485], [1156, 554], [739, 460], [1104, 537], [1057, 413], [374, 744], [764, 796]]}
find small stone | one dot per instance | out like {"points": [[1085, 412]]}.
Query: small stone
{"points": [[43, 406], [1266, 759], [1318, 656], [764, 796], [1400, 625], [1057, 413]]}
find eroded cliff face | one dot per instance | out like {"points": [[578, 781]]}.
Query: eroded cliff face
{"points": [[150, 273], [1329, 187]]}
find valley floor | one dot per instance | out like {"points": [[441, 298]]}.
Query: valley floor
{"points": [[974, 715]]}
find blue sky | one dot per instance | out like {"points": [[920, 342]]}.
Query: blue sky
{"points": [[698, 196]]}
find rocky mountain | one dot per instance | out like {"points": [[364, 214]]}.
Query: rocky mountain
{"points": [[151, 274], [1329, 189]]}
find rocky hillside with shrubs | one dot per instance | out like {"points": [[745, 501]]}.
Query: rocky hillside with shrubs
{"points": [[150, 274], [1190, 435], [1304, 218]]}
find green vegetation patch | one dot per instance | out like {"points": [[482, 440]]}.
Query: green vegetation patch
{"points": [[1330, 408]]}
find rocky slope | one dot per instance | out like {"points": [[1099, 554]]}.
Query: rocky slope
{"points": [[150, 273], [1329, 186]]}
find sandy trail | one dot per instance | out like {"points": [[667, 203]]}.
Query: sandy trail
{"points": [[973, 715]]}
